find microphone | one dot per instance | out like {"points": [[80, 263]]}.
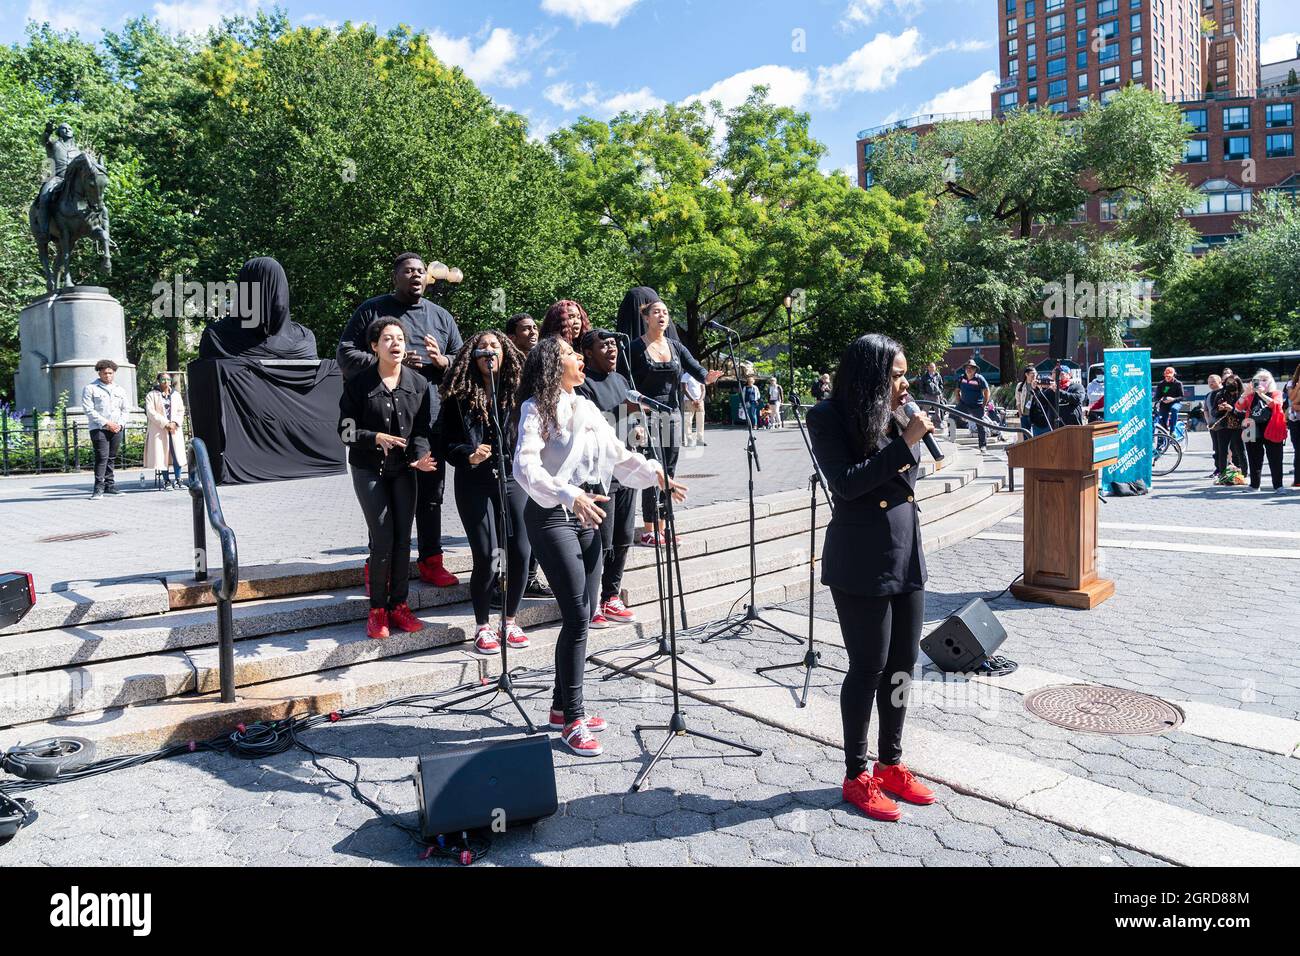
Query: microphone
{"points": [[718, 327], [636, 398], [911, 410], [483, 353]]}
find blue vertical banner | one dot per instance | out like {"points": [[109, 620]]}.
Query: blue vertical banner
{"points": [[1128, 402]]}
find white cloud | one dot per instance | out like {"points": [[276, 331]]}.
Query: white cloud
{"points": [[81, 17], [859, 13], [491, 61], [198, 16], [872, 67], [1278, 48], [787, 87], [608, 12], [972, 97], [597, 103]]}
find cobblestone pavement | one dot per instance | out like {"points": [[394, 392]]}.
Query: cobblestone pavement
{"points": [[705, 805], [150, 531]]}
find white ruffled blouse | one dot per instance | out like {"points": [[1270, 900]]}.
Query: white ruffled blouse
{"points": [[583, 448]]}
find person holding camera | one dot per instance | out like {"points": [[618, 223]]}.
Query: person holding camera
{"points": [[105, 405], [1264, 429]]}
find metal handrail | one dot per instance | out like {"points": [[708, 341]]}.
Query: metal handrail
{"points": [[203, 495], [992, 425]]}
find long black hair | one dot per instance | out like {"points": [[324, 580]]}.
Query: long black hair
{"points": [[862, 388], [542, 380]]}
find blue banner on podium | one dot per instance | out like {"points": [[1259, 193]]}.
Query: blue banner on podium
{"points": [[1128, 403]]}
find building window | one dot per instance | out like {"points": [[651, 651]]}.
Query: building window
{"points": [[1197, 119], [1081, 60], [1082, 83], [1056, 67], [1221, 198], [1236, 117], [1135, 46], [1278, 114], [1197, 151], [1109, 75], [1135, 69], [1055, 45], [1056, 24], [1012, 25], [1105, 7], [1056, 89], [1236, 147], [1013, 48], [1008, 100], [1279, 144], [1110, 53], [1135, 22]]}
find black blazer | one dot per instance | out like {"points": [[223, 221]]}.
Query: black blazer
{"points": [[462, 433], [366, 408], [873, 541]]}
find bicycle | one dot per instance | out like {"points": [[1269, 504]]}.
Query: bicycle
{"points": [[1167, 447]]}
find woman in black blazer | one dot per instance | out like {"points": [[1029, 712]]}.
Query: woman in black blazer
{"points": [[384, 421], [872, 560]]}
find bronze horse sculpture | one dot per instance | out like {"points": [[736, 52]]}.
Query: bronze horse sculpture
{"points": [[74, 211]]}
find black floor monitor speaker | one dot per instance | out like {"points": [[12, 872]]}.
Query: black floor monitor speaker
{"points": [[485, 784], [17, 596], [965, 640]]}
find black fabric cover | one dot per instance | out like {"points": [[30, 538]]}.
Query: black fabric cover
{"points": [[260, 326], [267, 422]]}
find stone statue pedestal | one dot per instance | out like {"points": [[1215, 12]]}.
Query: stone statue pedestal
{"points": [[61, 336]]}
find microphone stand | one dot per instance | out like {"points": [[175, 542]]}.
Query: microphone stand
{"points": [[504, 683], [812, 657], [751, 615], [676, 725], [665, 646]]}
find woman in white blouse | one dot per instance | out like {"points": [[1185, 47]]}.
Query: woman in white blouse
{"points": [[567, 451]]}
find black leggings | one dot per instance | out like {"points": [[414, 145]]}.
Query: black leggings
{"points": [[1255, 452], [1228, 440], [479, 505], [570, 557], [667, 435], [882, 636], [388, 503], [428, 510], [616, 535]]}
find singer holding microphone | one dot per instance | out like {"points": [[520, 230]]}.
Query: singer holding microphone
{"points": [[867, 442], [566, 453]]}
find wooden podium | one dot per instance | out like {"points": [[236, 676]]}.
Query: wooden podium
{"points": [[1060, 513]]}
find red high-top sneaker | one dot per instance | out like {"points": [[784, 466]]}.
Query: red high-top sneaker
{"points": [[903, 784], [432, 572], [401, 618], [863, 792], [377, 625]]}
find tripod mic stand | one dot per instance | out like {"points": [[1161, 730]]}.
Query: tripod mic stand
{"points": [[751, 615], [676, 726], [504, 683], [663, 570], [812, 657]]}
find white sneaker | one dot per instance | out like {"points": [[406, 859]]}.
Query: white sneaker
{"points": [[516, 637], [580, 740], [485, 639]]}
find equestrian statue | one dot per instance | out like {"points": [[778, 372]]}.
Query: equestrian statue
{"points": [[70, 207]]}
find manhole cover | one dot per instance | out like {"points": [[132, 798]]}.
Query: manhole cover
{"points": [[75, 536], [1103, 710]]}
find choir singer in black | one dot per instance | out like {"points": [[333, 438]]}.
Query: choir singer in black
{"points": [[872, 560]]}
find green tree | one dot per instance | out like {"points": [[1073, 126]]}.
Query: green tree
{"points": [[725, 213], [1008, 199]]}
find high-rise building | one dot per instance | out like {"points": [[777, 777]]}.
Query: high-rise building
{"points": [[1231, 46], [1058, 54]]}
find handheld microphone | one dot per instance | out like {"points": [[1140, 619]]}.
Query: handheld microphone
{"points": [[911, 410], [636, 398]]}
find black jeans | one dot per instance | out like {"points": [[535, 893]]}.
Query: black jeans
{"points": [[667, 434], [570, 556], [1295, 449], [107, 445], [428, 504], [388, 504], [882, 636], [1227, 440], [616, 535], [1255, 452], [978, 412], [479, 504]]}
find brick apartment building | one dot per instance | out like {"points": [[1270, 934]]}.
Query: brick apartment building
{"points": [[1202, 54]]}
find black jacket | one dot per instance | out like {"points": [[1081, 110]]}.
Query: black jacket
{"points": [[367, 407], [873, 541], [463, 432]]}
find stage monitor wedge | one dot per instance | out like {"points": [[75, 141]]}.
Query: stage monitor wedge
{"points": [[477, 785], [965, 640]]}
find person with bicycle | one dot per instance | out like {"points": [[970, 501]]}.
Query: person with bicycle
{"points": [[1168, 399]]}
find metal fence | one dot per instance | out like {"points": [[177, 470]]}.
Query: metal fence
{"points": [[46, 444]]}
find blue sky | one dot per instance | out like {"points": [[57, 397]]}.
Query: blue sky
{"points": [[850, 63]]}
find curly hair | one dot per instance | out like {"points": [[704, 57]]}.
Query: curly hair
{"points": [[862, 386], [541, 381], [556, 316], [464, 383]]}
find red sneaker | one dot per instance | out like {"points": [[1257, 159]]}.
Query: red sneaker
{"points": [[402, 619], [432, 572], [648, 539], [599, 621], [903, 784], [864, 793], [594, 722], [615, 610], [577, 737], [485, 639], [516, 637], [377, 624]]}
